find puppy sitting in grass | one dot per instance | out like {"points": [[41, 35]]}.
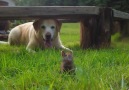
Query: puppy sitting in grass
{"points": [[67, 64]]}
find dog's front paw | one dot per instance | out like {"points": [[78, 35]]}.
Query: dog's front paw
{"points": [[68, 50]]}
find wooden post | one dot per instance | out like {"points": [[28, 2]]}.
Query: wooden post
{"points": [[105, 26], [124, 28], [116, 27], [4, 24], [88, 32], [96, 30], [85, 35]]}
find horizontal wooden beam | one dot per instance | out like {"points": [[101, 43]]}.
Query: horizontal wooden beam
{"points": [[60, 12], [120, 14], [69, 20], [20, 12]]}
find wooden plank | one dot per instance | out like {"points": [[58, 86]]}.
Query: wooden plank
{"points": [[120, 14], [69, 20], [19, 12], [26, 12], [105, 25]]}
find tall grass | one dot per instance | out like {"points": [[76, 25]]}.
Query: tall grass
{"points": [[104, 69]]}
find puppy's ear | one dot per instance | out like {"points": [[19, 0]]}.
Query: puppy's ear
{"points": [[63, 53], [58, 25], [36, 24]]}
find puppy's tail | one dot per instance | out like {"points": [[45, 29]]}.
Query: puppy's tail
{"points": [[4, 43]]}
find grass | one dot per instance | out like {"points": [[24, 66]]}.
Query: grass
{"points": [[105, 69]]}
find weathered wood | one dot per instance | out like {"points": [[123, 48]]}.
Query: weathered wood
{"points": [[105, 25], [85, 34], [69, 20], [4, 24], [124, 28], [96, 32], [116, 27], [88, 33], [20, 12], [24, 12], [120, 14], [32, 12]]}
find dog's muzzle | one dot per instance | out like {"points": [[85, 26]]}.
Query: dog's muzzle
{"points": [[48, 40], [48, 36]]}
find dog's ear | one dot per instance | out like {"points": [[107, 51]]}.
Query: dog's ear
{"points": [[58, 25], [36, 24]]}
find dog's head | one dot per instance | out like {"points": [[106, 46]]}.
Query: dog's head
{"points": [[47, 29]]}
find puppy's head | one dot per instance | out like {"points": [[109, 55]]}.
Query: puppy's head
{"points": [[67, 62], [67, 56], [47, 29]]}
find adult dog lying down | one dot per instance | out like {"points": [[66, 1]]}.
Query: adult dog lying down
{"points": [[38, 34]]}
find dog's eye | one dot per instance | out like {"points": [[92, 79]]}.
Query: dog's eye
{"points": [[43, 27], [52, 27]]}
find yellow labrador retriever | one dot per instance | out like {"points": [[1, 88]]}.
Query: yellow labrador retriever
{"points": [[38, 34]]}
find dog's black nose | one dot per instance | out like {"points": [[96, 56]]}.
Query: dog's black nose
{"points": [[48, 36]]}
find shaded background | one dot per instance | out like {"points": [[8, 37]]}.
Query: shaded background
{"points": [[122, 5]]}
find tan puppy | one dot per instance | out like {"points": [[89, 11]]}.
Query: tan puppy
{"points": [[67, 64], [38, 34]]}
